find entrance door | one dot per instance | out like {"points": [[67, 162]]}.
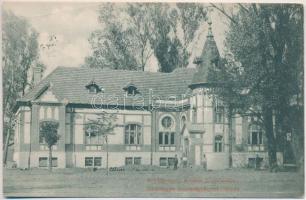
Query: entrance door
{"points": [[186, 147], [197, 154]]}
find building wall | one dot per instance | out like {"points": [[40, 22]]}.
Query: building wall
{"points": [[204, 105], [71, 149]]}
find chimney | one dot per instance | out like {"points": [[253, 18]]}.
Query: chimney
{"points": [[37, 74]]}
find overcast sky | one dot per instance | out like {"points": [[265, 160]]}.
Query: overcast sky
{"points": [[72, 24]]}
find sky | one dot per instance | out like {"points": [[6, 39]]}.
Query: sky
{"points": [[73, 22]]}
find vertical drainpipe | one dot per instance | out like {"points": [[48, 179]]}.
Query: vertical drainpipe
{"points": [[30, 146], [152, 127]]}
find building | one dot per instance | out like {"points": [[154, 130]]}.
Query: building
{"points": [[159, 115]]}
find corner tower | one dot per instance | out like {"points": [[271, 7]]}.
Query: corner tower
{"points": [[211, 144]]}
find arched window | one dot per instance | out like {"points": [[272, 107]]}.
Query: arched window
{"points": [[133, 134], [255, 135], [218, 143], [166, 135], [92, 135], [183, 121]]}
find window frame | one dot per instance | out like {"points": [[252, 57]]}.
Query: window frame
{"points": [[39, 135], [218, 144], [258, 134], [137, 134], [219, 112], [54, 161], [132, 161], [169, 135], [169, 161], [93, 161], [100, 137], [167, 122]]}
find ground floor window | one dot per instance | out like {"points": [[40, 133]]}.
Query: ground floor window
{"points": [[133, 161], [255, 162], [93, 161], [43, 162], [166, 161]]}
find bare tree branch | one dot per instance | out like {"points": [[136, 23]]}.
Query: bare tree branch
{"points": [[224, 13]]}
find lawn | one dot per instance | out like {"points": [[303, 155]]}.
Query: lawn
{"points": [[159, 183]]}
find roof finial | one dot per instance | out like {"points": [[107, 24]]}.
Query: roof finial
{"points": [[209, 33]]}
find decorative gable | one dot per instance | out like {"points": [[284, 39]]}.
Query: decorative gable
{"points": [[48, 96], [45, 94]]}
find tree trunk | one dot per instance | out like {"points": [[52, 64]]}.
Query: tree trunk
{"points": [[50, 158], [230, 127], [268, 125], [7, 140]]}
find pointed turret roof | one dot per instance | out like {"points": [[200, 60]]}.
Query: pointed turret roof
{"points": [[210, 56]]}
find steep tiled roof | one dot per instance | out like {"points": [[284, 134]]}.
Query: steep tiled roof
{"points": [[69, 83], [210, 54]]}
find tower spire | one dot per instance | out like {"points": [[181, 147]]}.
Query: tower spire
{"points": [[208, 60], [209, 33]]}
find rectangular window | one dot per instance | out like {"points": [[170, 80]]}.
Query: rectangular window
{"points": [[128, 160], [161, 138], [163, 162], [88, 161], [92, 135], [254, 138], [219, 114], [171, 161], [54, 162], [172, 138], [126, 136], [43, 162], [132, 133], [166, 138], [97, 161], [137, 161], [218, 147], [138, 136], [260, 137]]}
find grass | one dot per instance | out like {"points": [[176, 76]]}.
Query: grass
{"points": [[158, 183]]}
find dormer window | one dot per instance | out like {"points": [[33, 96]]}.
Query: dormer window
{"points": [[130, 89], [93, 88]]}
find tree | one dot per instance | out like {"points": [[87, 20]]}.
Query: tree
{"points": [[49, 131], [103, 125], [19, 54], [264, 72], [133, 32]]}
